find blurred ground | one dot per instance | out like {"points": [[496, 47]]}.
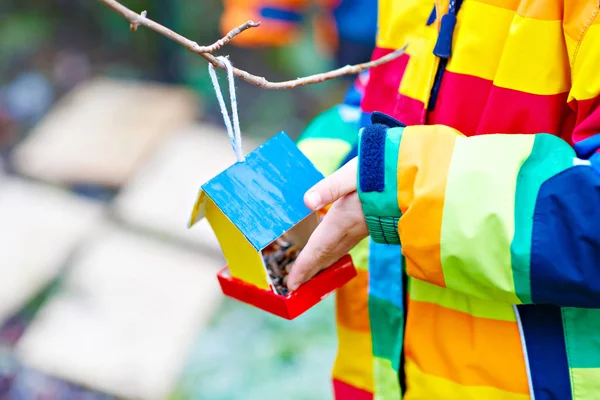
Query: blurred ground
{"points": [[132, 313]]}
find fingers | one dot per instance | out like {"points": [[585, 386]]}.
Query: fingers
{"points": [[334, 187], [342, 228]]}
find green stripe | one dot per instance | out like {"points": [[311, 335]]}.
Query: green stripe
{"points": [[549, 156], [387, 322], [448, 298], [478, 218], [585, 382], [385, 204], [387, 383], [581, 327]]}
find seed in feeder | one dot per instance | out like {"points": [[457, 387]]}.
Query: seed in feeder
{"points": [[292, 252], [279, 257]]}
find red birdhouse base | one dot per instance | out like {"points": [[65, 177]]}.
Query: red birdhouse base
{"points": [[297, 302]]}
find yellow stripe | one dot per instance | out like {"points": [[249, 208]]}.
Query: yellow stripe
{"points": [[448, 298], [354, 362], [534, 58], [387, 385], [478, 223], [586, 383], [586, 79], [418, 78], [531, 59], [427, 387], [244, 261], [571, 46], [477, 48], [399, 21]]}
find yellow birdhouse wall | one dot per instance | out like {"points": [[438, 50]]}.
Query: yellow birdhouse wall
{"points": [[243, 260]]}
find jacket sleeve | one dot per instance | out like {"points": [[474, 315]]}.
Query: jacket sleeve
{"points": [[512, 218]]}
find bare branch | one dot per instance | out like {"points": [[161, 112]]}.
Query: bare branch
{"points": [[230, 35], [307, 80], [134, 25], [136, 20]]}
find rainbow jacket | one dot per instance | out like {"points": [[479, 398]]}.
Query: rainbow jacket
{"points": [[479, 177]]}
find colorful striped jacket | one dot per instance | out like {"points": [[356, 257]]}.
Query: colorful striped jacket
{"points": [[496, 213]]}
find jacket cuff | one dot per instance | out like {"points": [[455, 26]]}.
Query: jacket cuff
{"points": [[377, 181]]}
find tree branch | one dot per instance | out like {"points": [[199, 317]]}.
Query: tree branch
{"points": [[230, 35], [136, 20]]}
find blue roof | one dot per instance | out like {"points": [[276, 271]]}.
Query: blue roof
{"points": [[264, 195]]}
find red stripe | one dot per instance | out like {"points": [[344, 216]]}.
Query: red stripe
{"points": [[409, 110], [384, 82], [474, 106], [343, 391], [588, 119], [511, 111], [461, 102]]}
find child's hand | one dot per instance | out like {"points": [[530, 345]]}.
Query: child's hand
{"points": [[342, 228]]}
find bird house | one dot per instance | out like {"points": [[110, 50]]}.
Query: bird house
{"points": [[256, 209]]}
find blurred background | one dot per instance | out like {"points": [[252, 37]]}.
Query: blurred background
{"points": [[105, 137]]}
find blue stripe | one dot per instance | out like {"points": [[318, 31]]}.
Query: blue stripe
{"points": [[385, 273], [544, 338], [565, 242], [282, 15], [372, 158], [587, 147]]}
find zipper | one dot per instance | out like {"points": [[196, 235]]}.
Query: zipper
{"points": [[443, 48]]}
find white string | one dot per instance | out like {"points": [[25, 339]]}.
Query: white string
{"points": [[233, 130]]}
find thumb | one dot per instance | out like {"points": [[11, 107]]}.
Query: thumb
{"points": [[334, 187]]}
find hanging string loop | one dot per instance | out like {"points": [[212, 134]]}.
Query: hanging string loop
{"points": [[232, 125]]}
